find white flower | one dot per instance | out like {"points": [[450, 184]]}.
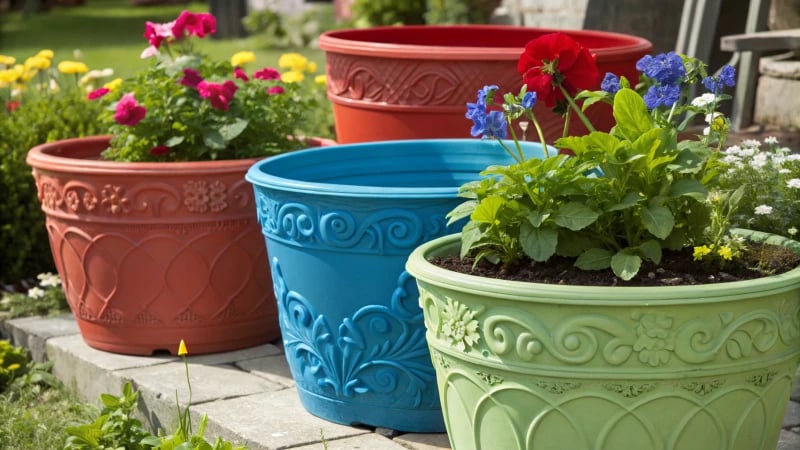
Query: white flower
{"points": [[792, 231], [763, 210], [48, 279], [149, 52], [793, 183], [793, 157], [771, 140], [733, 150], [731, 159], [704, 100], [759, 161], [712, 116], [35, 292], [784, 171], [95, 74], [706, 131], [752, 143], [747, 152]]}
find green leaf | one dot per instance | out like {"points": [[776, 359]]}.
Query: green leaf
{"points": [[651, 250], [631, 114], [625, 265], [174, 141], [572, 244], [658, 220], [575, 216], [594, 259], [213, 139], [628, 200], [461, 211], [486, 211], [688, 187], [470, 234], [536, 218], [230, 131], [538, 243]]}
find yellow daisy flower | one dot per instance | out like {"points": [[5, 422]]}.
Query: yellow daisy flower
{"points": [[700, 252], [320, 79], [312, 67], [725, 252], [46, 53], [293, 61], [8, 76], [113, 84], [242, 58], [7, 60], [37, 62], [72, 67], [292, 76]]}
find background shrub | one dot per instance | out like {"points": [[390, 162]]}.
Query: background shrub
{"points": [[24, 245]]}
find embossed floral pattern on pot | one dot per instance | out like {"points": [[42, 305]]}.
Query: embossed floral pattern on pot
{"points": [[200, 196], [459, 326], [114, 199], [654, 340]]}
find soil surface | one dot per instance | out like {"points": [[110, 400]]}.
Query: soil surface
{"points": [[676, 269]]}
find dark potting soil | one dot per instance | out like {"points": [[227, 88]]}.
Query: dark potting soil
{"points": [[676, 269]]}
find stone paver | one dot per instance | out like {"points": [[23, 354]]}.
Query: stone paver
{"points": [[248, 395]]}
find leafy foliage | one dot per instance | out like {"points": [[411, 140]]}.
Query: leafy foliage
{"points": [[274, 29], [460, 11], [47, 299], [367, 13]]}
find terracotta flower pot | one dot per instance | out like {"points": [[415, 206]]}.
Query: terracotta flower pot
{"points": [[152, 253], [412, 82]]}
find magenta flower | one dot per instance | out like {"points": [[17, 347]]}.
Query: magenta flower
{"points": [[199, 24], [159, 150], [191, 78], [155, 33], [275, 90], [267, 73], [239, 73], [128, 111], [220, 95], [97, 93]]}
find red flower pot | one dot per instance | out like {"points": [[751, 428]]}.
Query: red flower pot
{"points": [[152, 253], [410, 82]]}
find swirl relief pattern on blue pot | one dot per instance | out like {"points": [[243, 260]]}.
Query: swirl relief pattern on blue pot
{"points": [[378, 355], [363, 228]]}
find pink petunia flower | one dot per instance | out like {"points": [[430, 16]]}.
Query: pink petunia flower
{"points": [[159, 150], [128, 111], [156, 33], [239, 73], [191, 78], [220, 95], [267, 73], [149, 52], [275, 90], [97, 93], [199, 25]]}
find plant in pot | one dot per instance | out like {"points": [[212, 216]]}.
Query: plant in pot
{"points": [[152, 227], [598, 298]]}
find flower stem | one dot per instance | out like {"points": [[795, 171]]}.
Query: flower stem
{"points": [[539, 133], [186, 419], [585, 120]]}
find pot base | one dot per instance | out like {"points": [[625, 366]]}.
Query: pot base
{"points": [[352, 414], [199, 340]]}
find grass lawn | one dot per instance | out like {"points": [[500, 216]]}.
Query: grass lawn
{"points": [[109, 33]]}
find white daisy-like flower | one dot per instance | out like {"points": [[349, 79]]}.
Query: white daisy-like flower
{"points": [[784, 171], [771, 140], [733, 150], [704, 100], [731, 159], [793, 157], [752, 143], [745, 152], [48, 279], [792, 231], [793, 183], [35, 292], [763, 210], [758, 161]]}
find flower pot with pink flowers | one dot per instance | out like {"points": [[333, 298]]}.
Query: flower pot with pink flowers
{"points": [[152, 227]]}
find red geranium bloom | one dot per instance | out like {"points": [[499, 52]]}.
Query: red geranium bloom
{"points": [[199, 24], [267, 73], [128, 111], [191, 78], [275, 90], [159, 150], [155, 33], [239, 73], [220, 95], [556, 59], [97, 93], [12, 105]]}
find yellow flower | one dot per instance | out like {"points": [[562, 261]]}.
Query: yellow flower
{"points": [[113, 84], [95, 74], [292, 76], [37, 62], [27, 74], [312, 67], [70, 67], [320, 79], [293, 61], [8, 76], [182, 349], [701, 251], [725, 252], [7, 60], [46, 53], [242, 58], [13, 367]]}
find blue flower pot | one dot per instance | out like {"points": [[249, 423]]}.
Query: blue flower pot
{"points": [[340, 223]]}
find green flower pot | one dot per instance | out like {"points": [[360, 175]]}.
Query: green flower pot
{"points": [[552, 367]]}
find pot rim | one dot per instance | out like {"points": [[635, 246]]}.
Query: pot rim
{"points": [[265, 173], [419, 267], [345, 41], [59, 156]]}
